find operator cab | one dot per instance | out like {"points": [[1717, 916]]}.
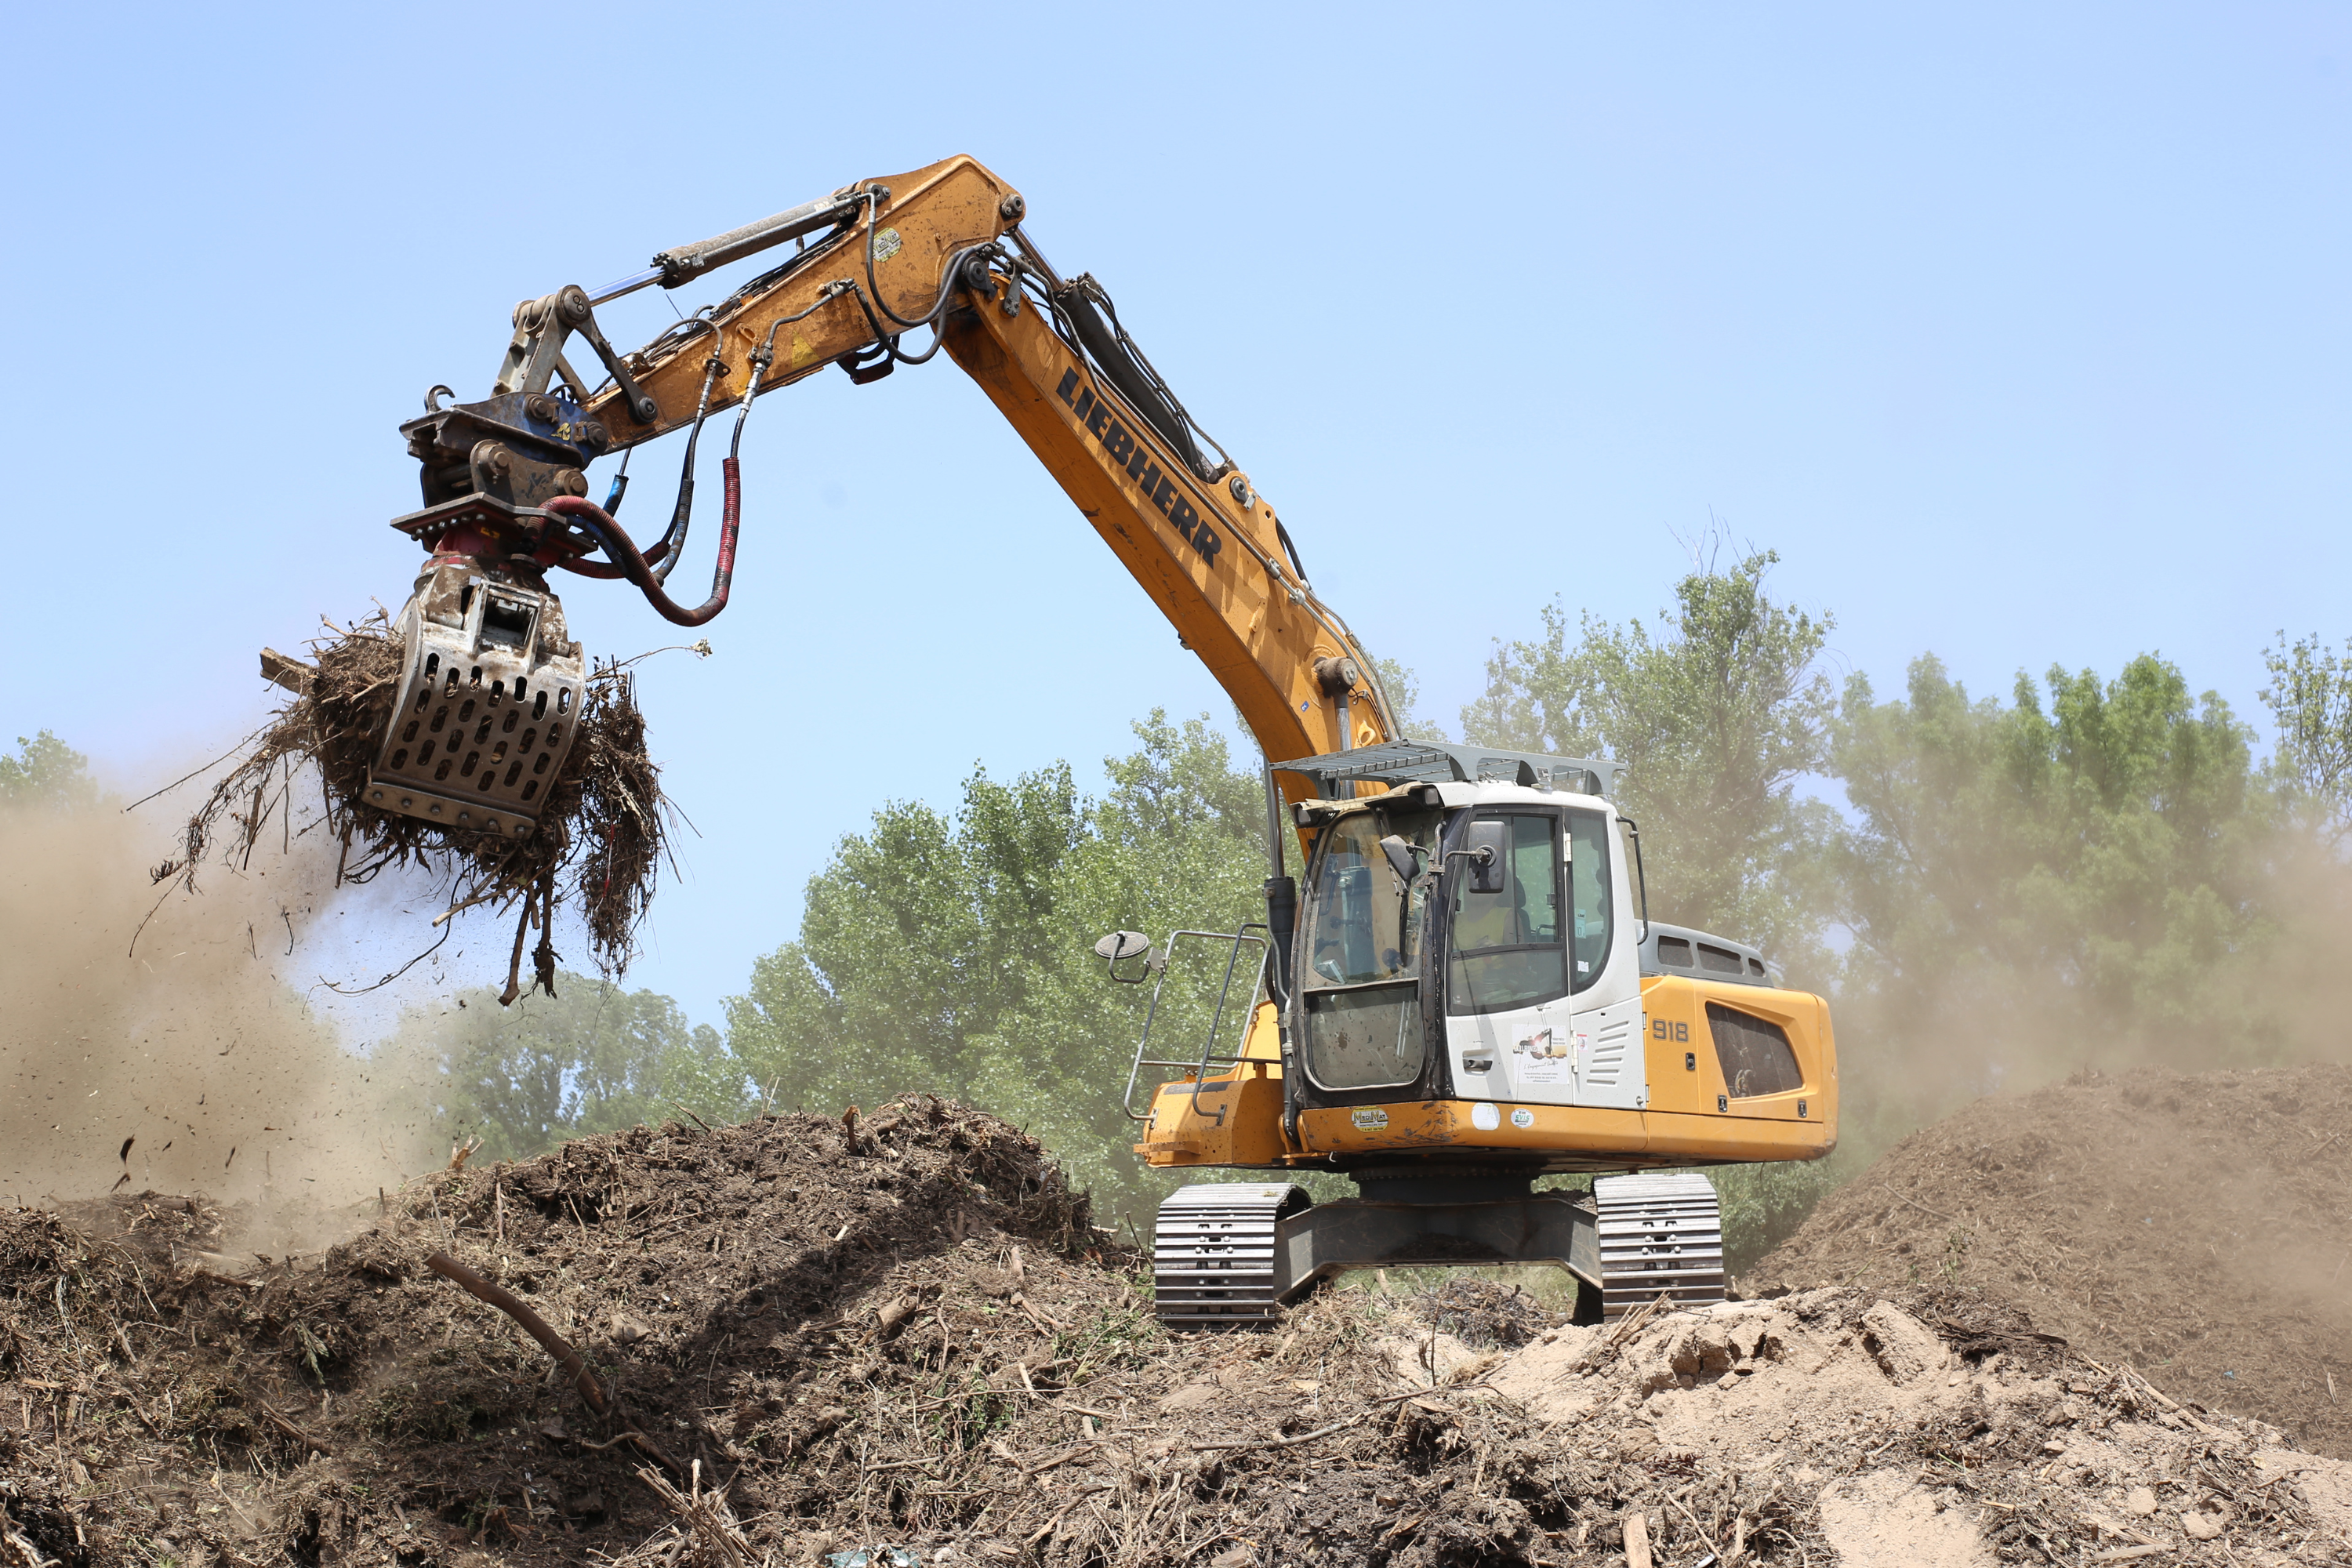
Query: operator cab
{"points": [[1476, 936]]}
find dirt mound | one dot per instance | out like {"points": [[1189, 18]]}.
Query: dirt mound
{"points": [[161, 1400], [1939, 1433], [2195, 1228], [898, 1340]]}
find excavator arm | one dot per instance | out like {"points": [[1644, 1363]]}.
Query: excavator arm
{"points": [[935, 253]]}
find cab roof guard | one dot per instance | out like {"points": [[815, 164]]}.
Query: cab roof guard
{"points": [[1399, 763]]}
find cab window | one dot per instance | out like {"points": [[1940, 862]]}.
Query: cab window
{"points": [[1359, 987], [1506, 948], [1361, 926], [1591, 911]]}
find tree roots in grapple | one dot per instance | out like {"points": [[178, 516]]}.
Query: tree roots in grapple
{"points": [[596, 850]]}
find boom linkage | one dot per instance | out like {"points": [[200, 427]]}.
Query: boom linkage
{"points": [[504, 480]]}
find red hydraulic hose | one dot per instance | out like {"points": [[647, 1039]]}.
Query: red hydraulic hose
{"points": [[602, 569], [599, 525]]}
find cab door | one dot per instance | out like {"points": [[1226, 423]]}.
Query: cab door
{"points": [[1508, 1020]]}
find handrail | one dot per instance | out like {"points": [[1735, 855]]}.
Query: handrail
{"points": [[1198, 1066]]}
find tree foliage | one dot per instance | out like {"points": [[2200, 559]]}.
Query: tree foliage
{"points": [[46, 773], [2309, 695], [914, 942], [591, 1058], [1716, 717], [955, 953], [2073, 873]]}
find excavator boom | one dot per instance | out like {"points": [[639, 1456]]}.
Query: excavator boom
{"points": [[940, 248]]}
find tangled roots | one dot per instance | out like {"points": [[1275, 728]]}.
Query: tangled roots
{"points": [[597, 849]]}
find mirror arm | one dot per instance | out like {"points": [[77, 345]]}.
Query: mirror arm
{"points": [[1482, 857]]}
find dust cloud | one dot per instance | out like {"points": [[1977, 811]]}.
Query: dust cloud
{"points": [[2291, 996], [190, 1064], [2022, 1000], [2140, 1150], [2195, 1226]]}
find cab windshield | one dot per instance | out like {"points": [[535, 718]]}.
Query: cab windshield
{"points": [[1358, 986], [1361, 928]]}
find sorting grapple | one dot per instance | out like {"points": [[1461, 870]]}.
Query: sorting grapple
{"points": [[490, 694]]}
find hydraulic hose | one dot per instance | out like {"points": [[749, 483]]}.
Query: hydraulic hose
{"points": [[589, 568], [598, 524], [661, 546], [624, 560], [602, 569], [664, 556]]}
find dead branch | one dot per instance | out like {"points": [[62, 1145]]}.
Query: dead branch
{"points": [[550, 1342], [706, 1514], [276, 1419]]}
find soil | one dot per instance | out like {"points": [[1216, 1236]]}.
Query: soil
{"points": [[2193, 1226], [898, 1339]]}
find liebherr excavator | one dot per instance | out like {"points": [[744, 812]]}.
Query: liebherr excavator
{"points": [[1470, 995]]}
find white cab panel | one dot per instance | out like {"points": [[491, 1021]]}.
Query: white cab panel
{"points": [[1612, 1064], [1587, 1049], [1526, 1055]]}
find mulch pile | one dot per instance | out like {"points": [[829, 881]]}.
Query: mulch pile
{"points": [[596, 850], [2195, 1226], [899, 1338]]}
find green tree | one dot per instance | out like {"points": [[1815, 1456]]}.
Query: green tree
{"points": [[914, 942], [955, 955], [2309, 694], [2032, 885], [46, 771], [591, 1058], [1717, 717], [1178, 842]]}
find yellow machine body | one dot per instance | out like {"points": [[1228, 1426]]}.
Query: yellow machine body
{"points": [[1233, 1117]]}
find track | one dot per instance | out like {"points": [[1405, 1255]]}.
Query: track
{"points": [[1213, 1253], [1660, 1235], [1214, 1248]]}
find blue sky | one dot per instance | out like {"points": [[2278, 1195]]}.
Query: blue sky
{"points": [[2021, 332]]}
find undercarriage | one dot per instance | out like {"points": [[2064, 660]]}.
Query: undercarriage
{"points": [[1228, 1254]]}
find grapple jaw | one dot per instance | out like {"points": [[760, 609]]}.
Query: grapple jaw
{"points": [[490, 694]]}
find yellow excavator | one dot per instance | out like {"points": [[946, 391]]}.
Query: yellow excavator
{"points": [[1470, 995]]}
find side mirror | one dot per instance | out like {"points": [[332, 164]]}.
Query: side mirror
{"points": [[1401, 858], [1489, 842], [1121, 945]]}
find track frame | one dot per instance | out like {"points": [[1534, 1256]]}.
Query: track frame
{"points": [[1230, 1254]]}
